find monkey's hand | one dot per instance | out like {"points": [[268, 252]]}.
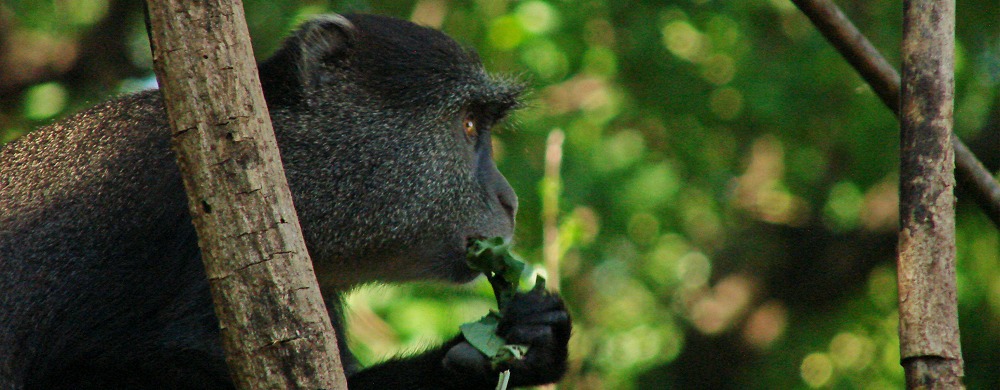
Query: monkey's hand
{"points": [[537, 319]]}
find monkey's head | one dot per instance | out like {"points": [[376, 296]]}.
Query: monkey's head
{"points": [[384, 130]]}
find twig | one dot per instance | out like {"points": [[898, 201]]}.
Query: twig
{"points": [[884, 80], [550, 206]]}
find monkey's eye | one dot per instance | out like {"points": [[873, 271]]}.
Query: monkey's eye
{"points": [[469, 123]]}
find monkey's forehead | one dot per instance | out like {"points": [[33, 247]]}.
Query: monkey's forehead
{"points": [[395, 39], [415, 62]]}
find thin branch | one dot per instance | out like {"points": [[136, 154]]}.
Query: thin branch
{"points": [[884, 80], [977, 179], [930, 351], [551, 190]]}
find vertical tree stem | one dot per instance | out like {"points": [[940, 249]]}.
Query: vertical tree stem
{"points": [[551, 191], [275, 329], [928, 307]]}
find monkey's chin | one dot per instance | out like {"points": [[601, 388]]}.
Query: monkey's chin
{"points": [[463, 274], [460, 272]]}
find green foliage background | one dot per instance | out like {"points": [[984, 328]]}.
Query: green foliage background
{"points": [[725, 206]]}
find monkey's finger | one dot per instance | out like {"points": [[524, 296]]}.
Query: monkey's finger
{"points": [[531, 335], [545, 318], [529, 303], [465, 358]]}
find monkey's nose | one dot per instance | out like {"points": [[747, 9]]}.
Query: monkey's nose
{"points": [[508, 199]]}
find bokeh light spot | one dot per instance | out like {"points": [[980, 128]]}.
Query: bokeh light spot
{"points": [[506, 33], [851, 351], [537, 17], [816, 369], [44, 101], [843, 207], [683, 40]]}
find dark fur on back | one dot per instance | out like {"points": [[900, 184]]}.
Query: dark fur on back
{"points": [[101, 282]]}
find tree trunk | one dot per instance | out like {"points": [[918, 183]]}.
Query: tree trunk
{"points": [[275, 329], [928, 307]]}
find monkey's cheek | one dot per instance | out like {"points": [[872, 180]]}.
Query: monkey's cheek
{"points": [[457, 265]]}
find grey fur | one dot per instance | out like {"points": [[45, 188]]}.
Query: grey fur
{"points": [[98, 265]]}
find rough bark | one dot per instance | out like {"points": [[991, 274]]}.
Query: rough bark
{"points": [[928, 305], [884, 80], [275, 329]]}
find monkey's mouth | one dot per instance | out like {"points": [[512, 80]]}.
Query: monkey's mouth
{"points": [[464, 273], [470, 241]]}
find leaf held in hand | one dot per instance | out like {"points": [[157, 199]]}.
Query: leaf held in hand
{"points": [[510, 353], [503, 269], [482, 334]]}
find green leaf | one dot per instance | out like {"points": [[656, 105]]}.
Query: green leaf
{"points": [[482, 334], [503, 269], [512, 269], [509, 353]]}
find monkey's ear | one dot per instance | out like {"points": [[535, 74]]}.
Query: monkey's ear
{"points": [[320, 40], [304, 57]]}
